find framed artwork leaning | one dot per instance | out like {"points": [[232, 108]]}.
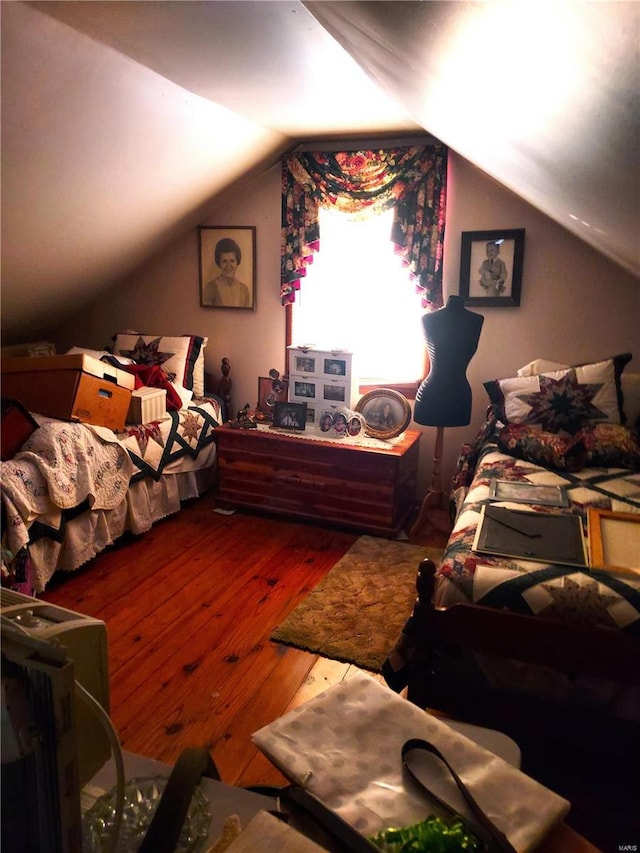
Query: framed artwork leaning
{"points": [[491, 267], [271, 390], [386, 412], [227, 264]]}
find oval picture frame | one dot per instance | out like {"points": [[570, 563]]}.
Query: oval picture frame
{"points": [[387, 413]]}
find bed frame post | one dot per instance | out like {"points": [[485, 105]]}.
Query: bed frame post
{"points": [[421, 665]]}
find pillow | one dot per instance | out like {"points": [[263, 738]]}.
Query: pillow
{"points": [[611, 446], [176, 355], [542, 448], [562, 400], [198, 371], [541, 365]]}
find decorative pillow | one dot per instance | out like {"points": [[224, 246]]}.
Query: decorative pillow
{"points": [[198, 371], [541, 365], [562, 400], [542, 448], [176, 355], [611, 446]]}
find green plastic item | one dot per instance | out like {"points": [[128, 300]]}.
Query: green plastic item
{"points": [[432, 835]]}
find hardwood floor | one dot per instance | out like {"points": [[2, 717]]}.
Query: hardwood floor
{"points": [[189, 608]]}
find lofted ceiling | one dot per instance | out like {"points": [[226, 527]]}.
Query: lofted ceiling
{"points": [[122, 121]]}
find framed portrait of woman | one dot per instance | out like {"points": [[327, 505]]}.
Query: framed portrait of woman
{"points": [[227, 264]]}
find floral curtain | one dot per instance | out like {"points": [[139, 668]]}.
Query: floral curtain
{"points": [[412, 180]]}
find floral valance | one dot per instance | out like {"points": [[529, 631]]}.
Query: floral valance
{"points": [[412, 180]]}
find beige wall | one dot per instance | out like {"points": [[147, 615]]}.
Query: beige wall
{"points": [[575, 305]]}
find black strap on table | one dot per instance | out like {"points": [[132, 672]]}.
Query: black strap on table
{"points": [[329, 820], [483, 827], [166, 825]]}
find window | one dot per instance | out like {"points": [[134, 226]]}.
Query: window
{"points": [[357, 296]]}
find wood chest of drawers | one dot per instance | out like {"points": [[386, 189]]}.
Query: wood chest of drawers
{"points": [[370, 489]]}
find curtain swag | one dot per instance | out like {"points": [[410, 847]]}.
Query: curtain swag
{"points": [[411, 180]]}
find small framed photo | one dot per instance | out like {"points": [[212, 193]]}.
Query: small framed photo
{"points": [[304, 389], [529, 493], [270, 392], [335, 393], [291, 416], [387, 413], [335, 366], [227, 263], [304, 364], [491, 267]]}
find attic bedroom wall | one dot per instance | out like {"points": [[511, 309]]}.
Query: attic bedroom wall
{"points": [[576, 305]]}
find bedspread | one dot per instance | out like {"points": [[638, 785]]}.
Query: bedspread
{"points": [[594, 597], [173, 441], [67, 472]]}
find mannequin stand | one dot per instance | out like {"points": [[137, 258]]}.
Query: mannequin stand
{"points": [[434, 496]]}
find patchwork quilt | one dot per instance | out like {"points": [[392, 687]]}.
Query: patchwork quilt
{"points": [[68, 471], [157, 445], [589, 596]]}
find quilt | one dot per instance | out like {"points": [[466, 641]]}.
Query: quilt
{"points": [[593, 597], [155, 446], [68, 471]]}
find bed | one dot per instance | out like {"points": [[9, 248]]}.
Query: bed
{"points": [[496, 638], [73, 489]]}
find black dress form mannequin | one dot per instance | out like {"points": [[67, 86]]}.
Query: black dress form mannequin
{"points": [[444, 398], [451, 335]]}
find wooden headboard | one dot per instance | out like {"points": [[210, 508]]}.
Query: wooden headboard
{"points": [[221, 385]]}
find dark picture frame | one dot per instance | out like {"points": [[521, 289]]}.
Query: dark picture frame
{"points": [[488, 277], [217, 244], [270, 392], [387, 413], [290, 416]]}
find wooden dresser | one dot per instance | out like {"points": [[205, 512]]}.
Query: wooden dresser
{"points": [[370, 489]]}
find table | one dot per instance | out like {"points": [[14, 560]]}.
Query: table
{"points": [[369, 486]]}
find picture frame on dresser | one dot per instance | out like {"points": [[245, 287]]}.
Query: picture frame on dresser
{"points": [[290, 416], [387, 413], [491, 267], [270, 392], [227, 266]]}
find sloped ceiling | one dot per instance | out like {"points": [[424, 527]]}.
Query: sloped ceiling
{"points": [[121, 121]]}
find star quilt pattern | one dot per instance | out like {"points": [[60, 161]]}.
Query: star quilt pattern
{"points": [[155, 445]]}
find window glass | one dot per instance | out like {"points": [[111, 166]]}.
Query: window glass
{"points": [[358, 297]]}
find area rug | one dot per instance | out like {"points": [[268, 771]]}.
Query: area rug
{"points": [[357, 611]]}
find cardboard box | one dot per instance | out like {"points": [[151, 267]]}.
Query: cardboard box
{"points": [[70, 387], [147, 404]]}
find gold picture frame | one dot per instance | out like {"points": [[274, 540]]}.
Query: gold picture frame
{"points": [[387, 413], [614, 541]]}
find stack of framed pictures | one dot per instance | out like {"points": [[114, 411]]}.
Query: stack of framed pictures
{"points": [[611, 541]]}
